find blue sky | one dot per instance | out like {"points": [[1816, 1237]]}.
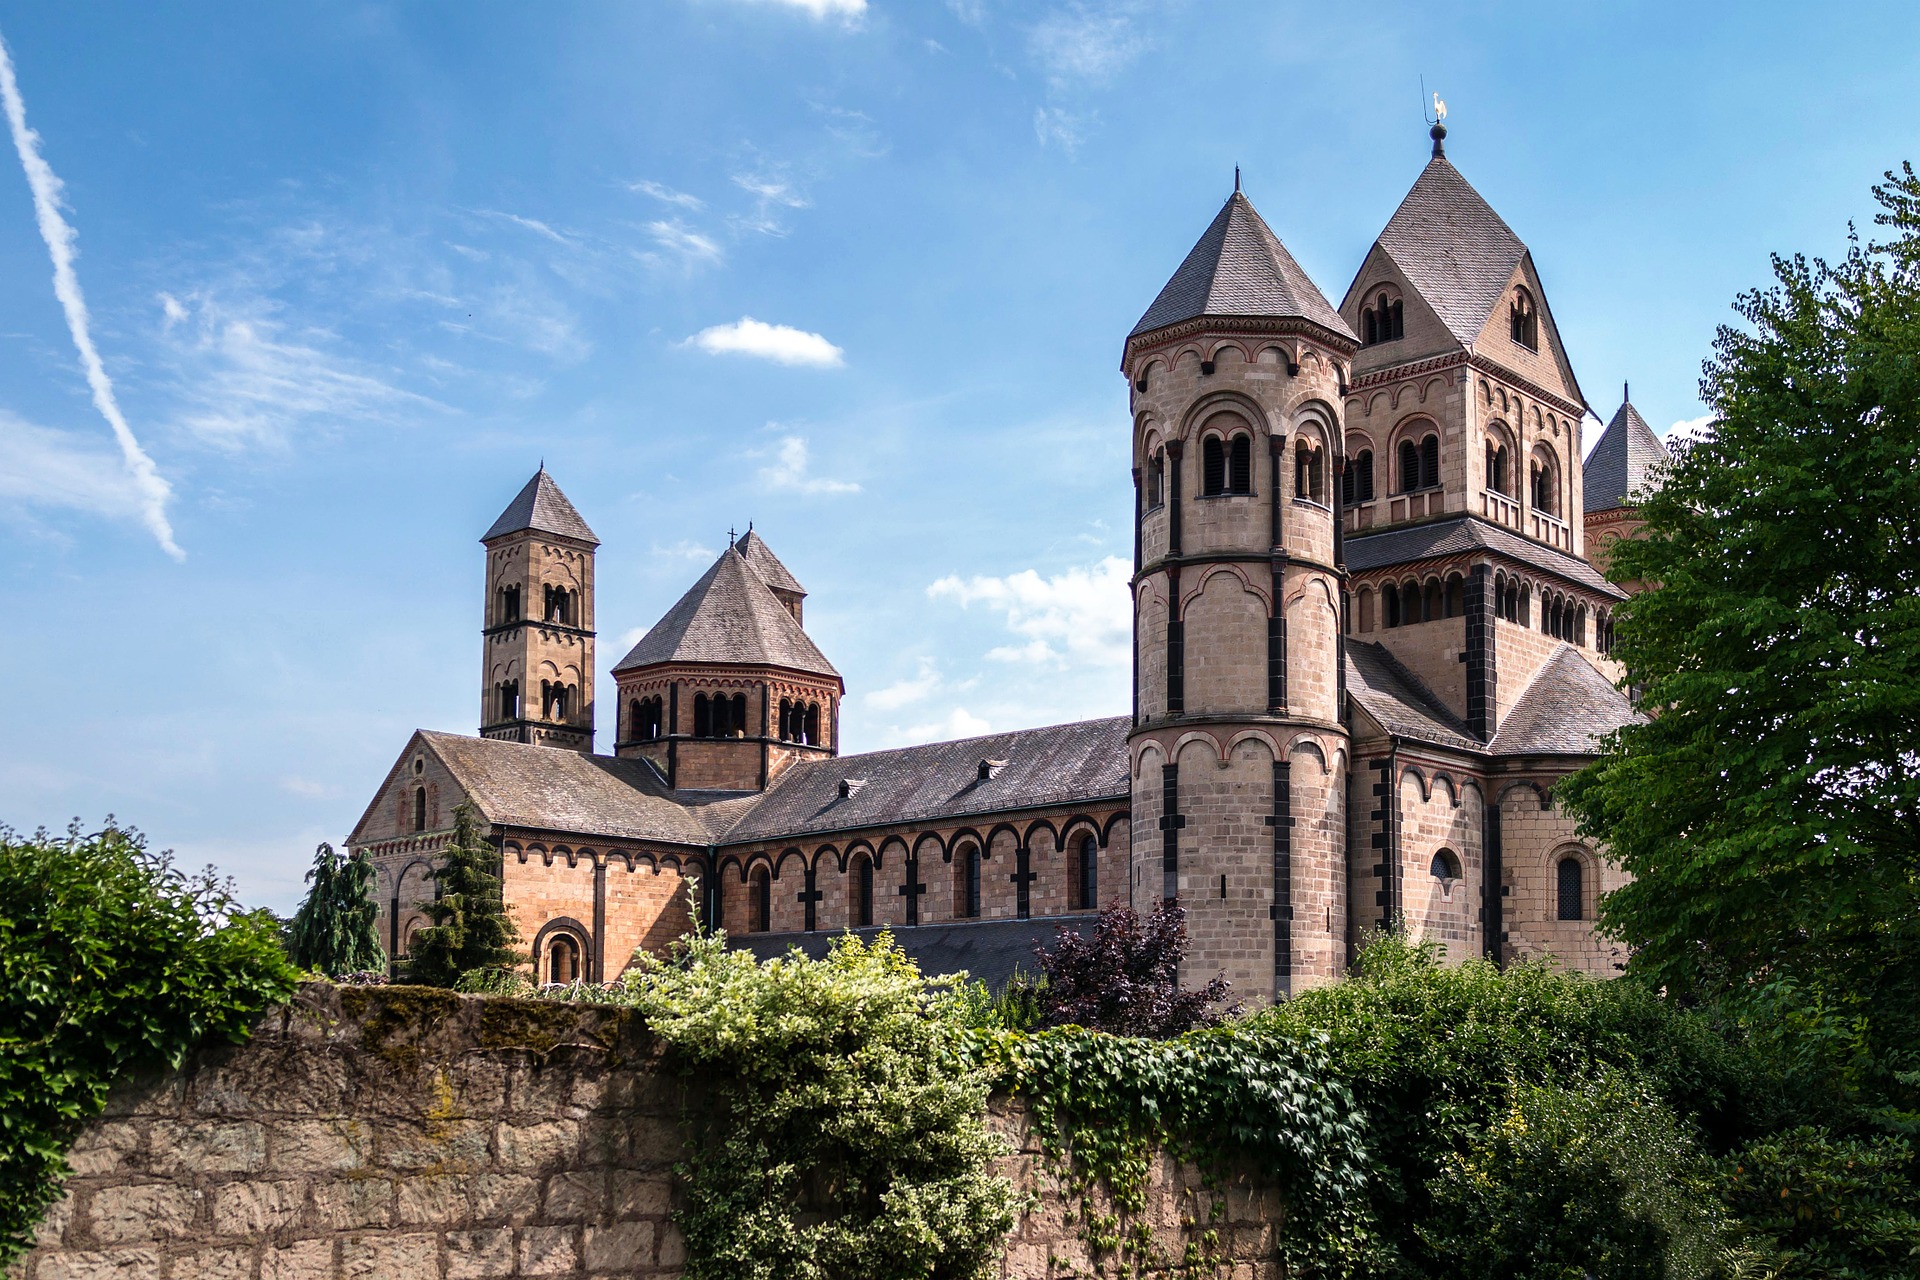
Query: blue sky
{"points": [[353, 270]]}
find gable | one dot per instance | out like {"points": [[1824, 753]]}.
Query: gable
{"points": [[388, 814], [1546, 367], [1426, 334]]}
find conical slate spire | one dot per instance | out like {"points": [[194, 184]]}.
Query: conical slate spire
{"points": [[542, 508], [1622, 461], [730, 616], [1452, 247], [1240, 268]]}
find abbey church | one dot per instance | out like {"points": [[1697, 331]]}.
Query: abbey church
{"points": [[1369, 637]]}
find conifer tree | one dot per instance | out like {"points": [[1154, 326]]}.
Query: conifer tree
{"points": [[333, 931], [471, 929]]}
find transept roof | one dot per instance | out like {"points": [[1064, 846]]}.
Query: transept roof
{"points": [[731, 616], [1239, 268], [1622, 461], [543, 508]]}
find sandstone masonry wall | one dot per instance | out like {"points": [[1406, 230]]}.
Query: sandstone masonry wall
{"points": [[396, 1133]]}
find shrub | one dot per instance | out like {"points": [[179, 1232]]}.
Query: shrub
{"points": [[111, 962], [1825, 1207], [1125, 977], [333, 931], [843, 1132]]}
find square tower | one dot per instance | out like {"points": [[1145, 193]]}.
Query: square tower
{"points": [[536, 661]]}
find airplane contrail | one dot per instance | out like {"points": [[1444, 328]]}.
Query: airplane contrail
{"points": [[153, 488]]}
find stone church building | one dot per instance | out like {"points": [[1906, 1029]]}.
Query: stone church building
{"points": [[1369, 638]]}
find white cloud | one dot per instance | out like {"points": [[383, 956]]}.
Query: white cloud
{"points": [[1082, 616], [153, 490], [1089, 42], [247, 383], [846, 10], [777, 342], [789, 471], [40, 467], [958, 723], [772, 192], [915, 688], [1058, 126], [1688, 430], [534, 225], [687, 248], [667, 195]]}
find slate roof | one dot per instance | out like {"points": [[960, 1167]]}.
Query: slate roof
{"points": [[1239, 268], [1622, 461], [730, 615], [1452, 247], [989, 950], [516, 784], [1469, 533], [1564, 710], [1060, 764], [1397, 699], [543, 508], [767, 564]]}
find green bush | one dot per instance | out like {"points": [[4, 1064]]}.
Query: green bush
{"points": [[112, 962], [1822, 1207], [1595, 1179], [842, 1133]]}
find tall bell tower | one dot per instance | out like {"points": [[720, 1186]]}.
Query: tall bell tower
{"points": [[536, 666], [1238, 752]]}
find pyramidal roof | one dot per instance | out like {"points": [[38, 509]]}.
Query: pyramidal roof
{"points": [[731, 616], [1452, 247], [1240, 268], [767, 564], [1622, 461], [543, 508]]}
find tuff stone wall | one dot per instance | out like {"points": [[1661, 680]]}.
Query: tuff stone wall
{"points": [[400, 1133]]}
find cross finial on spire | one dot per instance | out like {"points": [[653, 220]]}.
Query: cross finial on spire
{"points": [[1236, 179], [730, 538]]}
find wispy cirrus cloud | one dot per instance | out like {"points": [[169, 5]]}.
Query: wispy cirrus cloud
{"points": [[772, 192], [41, 468], [245, 380], [780, 343], [667, 195], [848, 11], [1088, 42], [792, 470], [534, 225], [678, 245], [152, 489], [1083, 616]]}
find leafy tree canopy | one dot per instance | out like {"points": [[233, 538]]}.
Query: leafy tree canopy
{"points": [[333, 931], [471, 930], [1770, 808], [112, 961]]}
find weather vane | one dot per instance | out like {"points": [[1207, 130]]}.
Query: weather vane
{"points": [[1436, 119]]}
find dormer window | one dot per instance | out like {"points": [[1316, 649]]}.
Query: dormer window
{"points": [[1382, 320], [851, 787], [989, 768], [1523, 321]]}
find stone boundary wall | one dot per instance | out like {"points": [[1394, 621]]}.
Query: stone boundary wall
{"points": [[395, 1132]]}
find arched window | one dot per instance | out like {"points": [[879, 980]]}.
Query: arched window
{"points": [[811, 733], [1410, 603], [1356, 484], [1157, 478], [1240, 464], [759, 901], [1445, 865], [1363, 605], [1522, 322], [1213, 466], [1435, 604], [510, 603], [1545, 484], [737, 722], [702, 716], [636, 720], [1526, 605], [861, 891], [1396, 320], [1409, 466], [563, 960], [1430, 462], [1309, 471], [1569, 889], [509, 699], [1456, 596], [784, 728], [1383, 321], [1498, 478], [1369, 326], [419, 808], [966, 882], [1086, 880]]}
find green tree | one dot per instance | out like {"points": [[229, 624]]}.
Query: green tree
{"points": [[332, 932], [1770, 809], [112, 961], [471, 931]]}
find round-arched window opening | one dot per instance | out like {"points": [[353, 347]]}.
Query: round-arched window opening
{"points": [[1445, 865], [563, 961]]}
